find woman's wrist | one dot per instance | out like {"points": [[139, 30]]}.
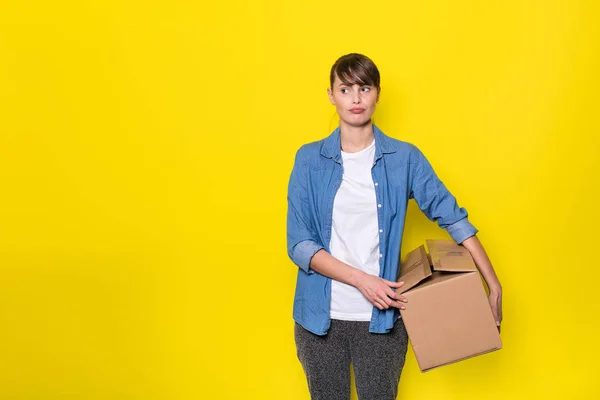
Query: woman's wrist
{"points": [[495, 288], [356, 277]]}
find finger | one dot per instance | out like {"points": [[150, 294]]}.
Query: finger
{"points": [[495, 313], [396, 296], [376, 303], [400, 305], [383, 303], [401, 298], [392, 302], [394, 284], [389, 292]]}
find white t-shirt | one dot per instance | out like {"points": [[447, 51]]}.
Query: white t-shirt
{"points": [[355, 233]]}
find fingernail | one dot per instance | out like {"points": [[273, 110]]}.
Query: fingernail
{"points": [[403, 308], [405, 300]]}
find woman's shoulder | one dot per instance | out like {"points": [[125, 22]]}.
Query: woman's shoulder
{"points": [[312, 148], [308, 151], [402, 150], [309, 154], [402, 146]]}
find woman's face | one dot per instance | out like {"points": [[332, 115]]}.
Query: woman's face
{"points": [[355, 104]]}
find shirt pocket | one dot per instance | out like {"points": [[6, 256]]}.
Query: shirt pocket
{"points": [[398, 177]]}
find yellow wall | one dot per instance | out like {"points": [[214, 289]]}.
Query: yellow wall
{"points": [[145, 150]]}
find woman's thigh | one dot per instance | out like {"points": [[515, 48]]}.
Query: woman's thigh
{"points": [[378, 360], [325, 360]]}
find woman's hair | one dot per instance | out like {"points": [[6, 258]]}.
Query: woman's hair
{"points": [[354, 68]]}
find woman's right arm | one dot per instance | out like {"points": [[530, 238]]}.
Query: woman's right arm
{"points": [[377, 290], [306, 251]]}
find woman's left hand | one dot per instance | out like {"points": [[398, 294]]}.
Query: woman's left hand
{"points": [[495, 299]]}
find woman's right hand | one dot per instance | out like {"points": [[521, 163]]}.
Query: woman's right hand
{"points": [[379, 292]]}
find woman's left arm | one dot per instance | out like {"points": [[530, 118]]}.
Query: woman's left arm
{"points": [[485, 267], [438, 204]]}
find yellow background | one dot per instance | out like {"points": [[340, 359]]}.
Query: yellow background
{"points": [[145, 150]]}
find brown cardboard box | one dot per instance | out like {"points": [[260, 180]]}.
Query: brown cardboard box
{"points": [[448, 317]]}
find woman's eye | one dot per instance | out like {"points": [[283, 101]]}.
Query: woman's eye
{"points": [[343, 90], [367, 88]]}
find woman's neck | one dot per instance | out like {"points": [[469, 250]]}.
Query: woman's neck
{"points": [[355, 138]]}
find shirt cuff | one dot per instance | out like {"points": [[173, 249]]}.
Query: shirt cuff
{"points": [[461, 230], [303, 253]]}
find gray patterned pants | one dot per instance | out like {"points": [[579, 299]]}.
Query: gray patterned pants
{"points": [[377, 360]]}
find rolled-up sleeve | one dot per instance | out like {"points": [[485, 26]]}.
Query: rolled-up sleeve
{"points": [[302, 240], [436, 201]]}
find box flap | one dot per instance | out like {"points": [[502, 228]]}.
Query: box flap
{"points": [[447, 255], [414, 269]]}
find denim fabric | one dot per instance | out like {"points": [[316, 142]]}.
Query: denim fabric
{"points": [[400, 172]]}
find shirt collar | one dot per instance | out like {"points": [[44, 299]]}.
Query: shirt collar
{"points": [[332, 145]]}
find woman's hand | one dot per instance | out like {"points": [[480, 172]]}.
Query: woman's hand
{"points": [[495, 299], [379, 292]]}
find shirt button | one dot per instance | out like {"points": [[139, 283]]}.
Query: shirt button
{"points": [[380, 255], [381, 230], [376, 184], [379, 205]]}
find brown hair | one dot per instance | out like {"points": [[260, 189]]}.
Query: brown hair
{"points": [[354, 68]]}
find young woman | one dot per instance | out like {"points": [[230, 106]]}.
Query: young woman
{"points": [[347, 200]]}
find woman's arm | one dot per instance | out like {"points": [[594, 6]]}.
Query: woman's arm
{"points": [[435, 200], [377, 290], [438, 204], [485, 267]]}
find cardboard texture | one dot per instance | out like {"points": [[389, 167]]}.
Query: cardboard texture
{"points": [[448, 317]]}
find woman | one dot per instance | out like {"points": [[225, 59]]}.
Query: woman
{"points": [[347, 200]]}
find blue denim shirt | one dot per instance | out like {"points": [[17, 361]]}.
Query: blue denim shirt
{"points": [[400, 172]]}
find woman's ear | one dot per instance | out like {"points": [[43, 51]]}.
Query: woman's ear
{"points": [[330, 94]]}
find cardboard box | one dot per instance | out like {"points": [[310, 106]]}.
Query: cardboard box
{"points": [[448, 316]]}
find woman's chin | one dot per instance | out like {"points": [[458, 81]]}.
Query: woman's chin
{"points": [[357, 120]]}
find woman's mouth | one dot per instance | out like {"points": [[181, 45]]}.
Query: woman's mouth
{"points": [[357, 110]]}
